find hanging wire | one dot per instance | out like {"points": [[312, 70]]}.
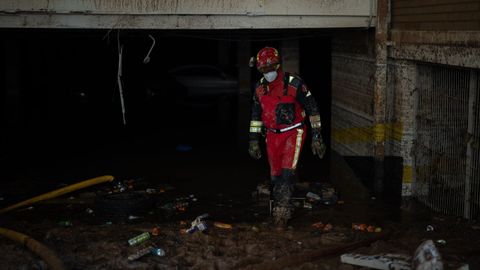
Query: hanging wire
{"points": [[119, 76], [146, 60]]}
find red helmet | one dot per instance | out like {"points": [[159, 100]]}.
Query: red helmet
{"points": [[268, 59]]}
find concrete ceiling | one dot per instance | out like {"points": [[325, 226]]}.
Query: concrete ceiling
{"points": [[187, 14]]}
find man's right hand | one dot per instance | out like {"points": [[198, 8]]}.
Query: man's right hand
{"points": [[254, 149]]}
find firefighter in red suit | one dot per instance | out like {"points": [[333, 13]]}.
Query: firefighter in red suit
{"points": [[281, 104]]}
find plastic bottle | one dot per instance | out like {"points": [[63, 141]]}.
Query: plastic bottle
{"points": [[140, 253], [139, 238]]}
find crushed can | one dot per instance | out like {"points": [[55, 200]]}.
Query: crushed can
{"points": [[158, 252], [139, 238], [198, 226], [202, 226]]}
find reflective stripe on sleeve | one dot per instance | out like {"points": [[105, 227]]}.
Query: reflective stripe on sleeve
{"points": [[256, 126], [255, 129], [256, 123]]}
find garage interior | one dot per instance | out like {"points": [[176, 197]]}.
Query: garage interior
{"points": [[90, 90], [68, 105]]}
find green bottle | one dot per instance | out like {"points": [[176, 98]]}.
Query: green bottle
{"points": [[139, 238]]}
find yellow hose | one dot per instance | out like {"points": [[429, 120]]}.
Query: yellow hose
{"points": [[48, 256], [59, 192]]}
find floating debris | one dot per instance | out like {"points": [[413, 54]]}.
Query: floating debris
{"points": [[140, 253], [139, 238], [222, 225]]}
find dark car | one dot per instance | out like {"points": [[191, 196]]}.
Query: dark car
{"points": [[187, 102], [204, 80]]}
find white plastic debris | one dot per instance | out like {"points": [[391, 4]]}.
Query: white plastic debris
{"points": [[313, 196], [427, 257], [381, 261]]}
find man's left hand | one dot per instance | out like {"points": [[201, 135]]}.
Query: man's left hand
{"points": [[318, 147]]}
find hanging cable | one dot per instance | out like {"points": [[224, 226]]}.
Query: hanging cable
{"points": [[147, 57], [119, 76]]}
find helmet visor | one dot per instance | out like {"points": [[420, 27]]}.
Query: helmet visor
{"points": [[268, 68]]}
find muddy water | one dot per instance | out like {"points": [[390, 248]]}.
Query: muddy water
{"points": [[188, 184]]}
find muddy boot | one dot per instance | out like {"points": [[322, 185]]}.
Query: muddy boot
{"points": [[281, 216], [282, 211]]}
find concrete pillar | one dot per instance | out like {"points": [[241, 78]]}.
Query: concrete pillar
{"points": [[379, 92], [404, 83], [290, 53], [244, 92]]}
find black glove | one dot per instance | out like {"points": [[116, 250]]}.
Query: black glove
{"points": [[318, 147], [254, 149]]}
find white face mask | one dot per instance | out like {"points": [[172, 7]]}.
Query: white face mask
{"points": [[270, 76]]}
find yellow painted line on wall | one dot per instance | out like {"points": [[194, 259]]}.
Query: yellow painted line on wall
{"points": [[407, 174], [376, 133]]}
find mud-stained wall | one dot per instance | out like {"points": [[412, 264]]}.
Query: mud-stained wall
{"points": [[456, 48], [401, 116], [353, 67], [436, 15], [440, 32], [179, 7]]}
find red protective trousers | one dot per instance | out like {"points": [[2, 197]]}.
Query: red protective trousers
{"points": [[284, 149]]}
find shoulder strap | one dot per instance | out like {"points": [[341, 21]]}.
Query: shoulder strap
{"points": [[262, 83], [295, 81], [286, 82], [265, 85]]}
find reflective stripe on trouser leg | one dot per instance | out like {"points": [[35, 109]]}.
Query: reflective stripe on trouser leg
{"points": [[298, 147]]}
